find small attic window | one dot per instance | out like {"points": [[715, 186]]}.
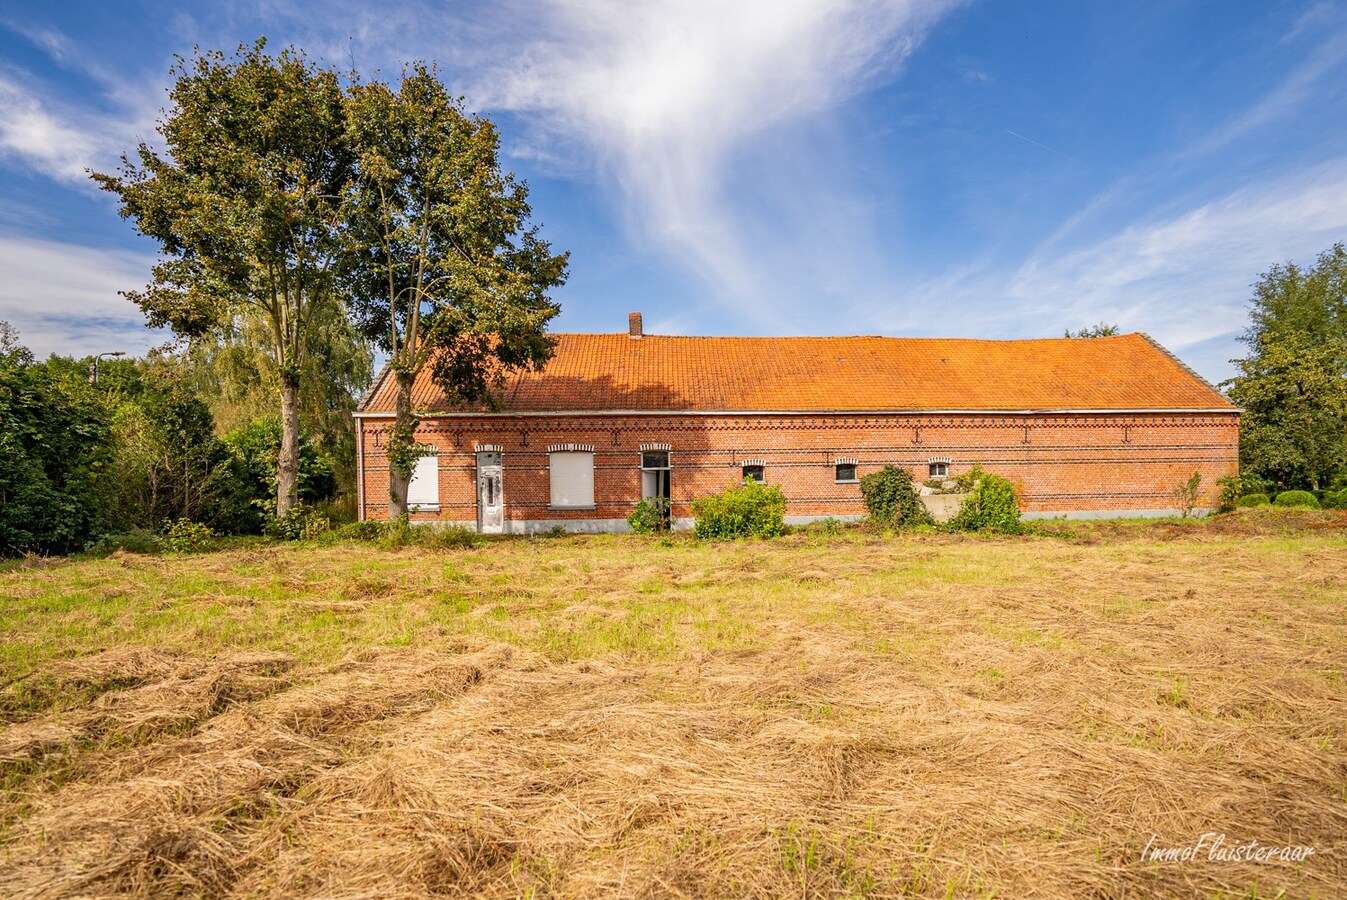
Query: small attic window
{"points": [[845, 473], [939, 470], [754, 473]]}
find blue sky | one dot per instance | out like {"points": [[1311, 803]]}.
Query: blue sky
{"points": [[978, 169]]}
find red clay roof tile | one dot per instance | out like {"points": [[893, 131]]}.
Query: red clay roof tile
{"points": [[601, 372]]}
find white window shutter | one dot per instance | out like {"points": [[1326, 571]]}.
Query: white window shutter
{"points": [[571, 475], [424, 489]]}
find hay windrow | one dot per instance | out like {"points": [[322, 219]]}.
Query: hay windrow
{"points": [[820, 717]]}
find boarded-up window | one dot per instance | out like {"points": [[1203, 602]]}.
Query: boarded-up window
{"points": [[424, 490], [571, 474]]}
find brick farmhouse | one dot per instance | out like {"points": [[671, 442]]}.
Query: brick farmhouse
{"points": [[1087, 427]]}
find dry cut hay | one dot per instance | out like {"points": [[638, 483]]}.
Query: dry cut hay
{"points": [[884, 739]]}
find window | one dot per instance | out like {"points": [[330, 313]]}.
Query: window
{"points": [[571, 475], [939, 469], [423, 491], [654, 473], [846, 472], [753, 473]]}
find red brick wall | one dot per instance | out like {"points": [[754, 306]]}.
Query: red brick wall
{"points": [[1062, 462]]}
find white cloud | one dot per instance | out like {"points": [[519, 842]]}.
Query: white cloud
{"points": [[663, 95], [39, 137], [63, 297], [1184, 278]]}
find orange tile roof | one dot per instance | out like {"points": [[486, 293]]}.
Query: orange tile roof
{"points": [[596, 372]]}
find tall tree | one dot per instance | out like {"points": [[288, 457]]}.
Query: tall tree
{"points": [[233, 373], [1311, 303], [1294, 396], [245, 206], [442, 268], [1293, 384]]}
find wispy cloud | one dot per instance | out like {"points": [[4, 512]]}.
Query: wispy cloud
{"points": [[63, 297], [663, 95], [1302, 86], [1185, 277], [36, 136]]}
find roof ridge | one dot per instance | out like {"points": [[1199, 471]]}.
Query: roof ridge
{"points": [[828, 337], [1185, 367]]}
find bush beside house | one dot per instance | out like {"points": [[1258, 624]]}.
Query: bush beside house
{"points": [[749, 509]]}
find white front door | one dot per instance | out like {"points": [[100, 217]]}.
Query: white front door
{"points": [[490, 497]]}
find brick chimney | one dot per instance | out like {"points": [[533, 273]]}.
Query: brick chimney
{"points": [[634, 325]]}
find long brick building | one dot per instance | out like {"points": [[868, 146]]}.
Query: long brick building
{"points": [[1087, 427]]}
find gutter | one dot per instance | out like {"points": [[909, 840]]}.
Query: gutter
{"points": [[806, 412]]}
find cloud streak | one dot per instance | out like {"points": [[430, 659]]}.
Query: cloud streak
{"points": [[63, 297], [1185, 277], [663, 95]]}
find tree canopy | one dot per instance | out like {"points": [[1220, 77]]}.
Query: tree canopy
{"points": [[245, 205], [1293, 383], [441, 266]]}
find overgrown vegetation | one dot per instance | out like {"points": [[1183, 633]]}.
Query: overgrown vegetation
{"points": [[748, 509], [992, 504], [891, 498], [1186, 494], [1293, 384], [650, 516], [124, 455]]}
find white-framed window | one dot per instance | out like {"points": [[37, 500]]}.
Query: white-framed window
{"points": [[654, 473], [939, 470], [423, 491], [570, 474], [755, 473], [845, 472]]}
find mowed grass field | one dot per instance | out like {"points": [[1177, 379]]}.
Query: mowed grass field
{"points": [[819, 715]]}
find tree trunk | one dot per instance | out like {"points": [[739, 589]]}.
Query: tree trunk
{"points": [[287, 464], [401, 442]]}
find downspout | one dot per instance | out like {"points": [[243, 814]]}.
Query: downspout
{"points": [[360, 468]]}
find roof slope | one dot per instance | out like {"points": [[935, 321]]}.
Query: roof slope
{"points": [[593, 372]]}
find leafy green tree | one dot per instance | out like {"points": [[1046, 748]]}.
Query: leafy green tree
{"points": [[891, 498], [1103, 329], [1294, 396], [245, 205], [1293, 384], [441, 268], [54, 444], [168, 460], [1309, 303], [233, 374], [254, 446]]}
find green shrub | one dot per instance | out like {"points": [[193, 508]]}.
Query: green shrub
{"points": [[1334, 500], [829, 526], [1298, 499], [1250, 500], [186, 536], [650, 516], [135, 541], [743, 510], [891, 498], [301, 523], [992, 505]]}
